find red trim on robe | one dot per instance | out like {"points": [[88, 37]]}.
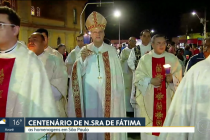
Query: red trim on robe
{"points": [[6, 66], [159, 110], [108, 89], [76, 94]]}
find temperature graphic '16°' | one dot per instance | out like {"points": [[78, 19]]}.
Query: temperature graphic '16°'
{"points": [[17, 121], [12, 125]]}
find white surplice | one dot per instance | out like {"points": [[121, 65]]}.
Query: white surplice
{"points": [[131, 64], [54, 52], [57, 74], [145, 90], [128, 77], [191, 105], [92, 90], [71, 58], [29, 93]]}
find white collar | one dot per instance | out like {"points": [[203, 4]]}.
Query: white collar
{"points": [[97, 49], [158, 55], [77, 48], [41, 54], [147, 44], [9, 50]]}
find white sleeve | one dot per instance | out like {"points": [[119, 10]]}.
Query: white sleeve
{"points": [[175, 84], [133, 93], [143, 85], [69, 60], [131, 60], [56, 93], [83, 65]]}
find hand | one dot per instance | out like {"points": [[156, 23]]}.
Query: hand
{"points": [[84, 53], [156, 81], [169, 78]]}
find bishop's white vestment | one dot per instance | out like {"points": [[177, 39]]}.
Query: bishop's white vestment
{"points": [[191, 105], [97, 90], [25, 90], [128, 77], [154, 101]]}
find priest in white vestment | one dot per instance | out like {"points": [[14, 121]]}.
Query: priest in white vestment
{"points": [[25, 90], [49, 49], [97, 87], [133, 60], [191, 104], [127, 74], [71, 58], [155, 88], [56, 71]]}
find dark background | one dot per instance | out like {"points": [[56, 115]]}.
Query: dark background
{"points": [[171, 18]]}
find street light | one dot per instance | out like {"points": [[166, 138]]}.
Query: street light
{"points": [[152, 31], [118, 14], [203, 21]]}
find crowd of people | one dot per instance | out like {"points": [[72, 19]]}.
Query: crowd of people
{"points": [[155, 80]]}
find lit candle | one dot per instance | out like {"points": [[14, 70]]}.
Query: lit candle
{"points": [[167, 68]]}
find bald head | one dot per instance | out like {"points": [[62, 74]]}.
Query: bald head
{"points": [[36, 43], [132, 42]]}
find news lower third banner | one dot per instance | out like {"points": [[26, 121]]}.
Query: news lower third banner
{"points": [[82, 125]]}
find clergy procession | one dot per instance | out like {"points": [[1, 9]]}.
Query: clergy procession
{"points": [[97, 80]]}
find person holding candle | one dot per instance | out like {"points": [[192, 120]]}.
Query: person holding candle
{"points": [[155, 85]]}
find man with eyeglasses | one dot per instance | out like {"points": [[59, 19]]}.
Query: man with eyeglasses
{"points": [[199, 57], [73, 54], [23, 79], [97, 87]]}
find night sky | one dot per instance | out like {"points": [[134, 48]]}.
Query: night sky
{"points": [[170, 18]]}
